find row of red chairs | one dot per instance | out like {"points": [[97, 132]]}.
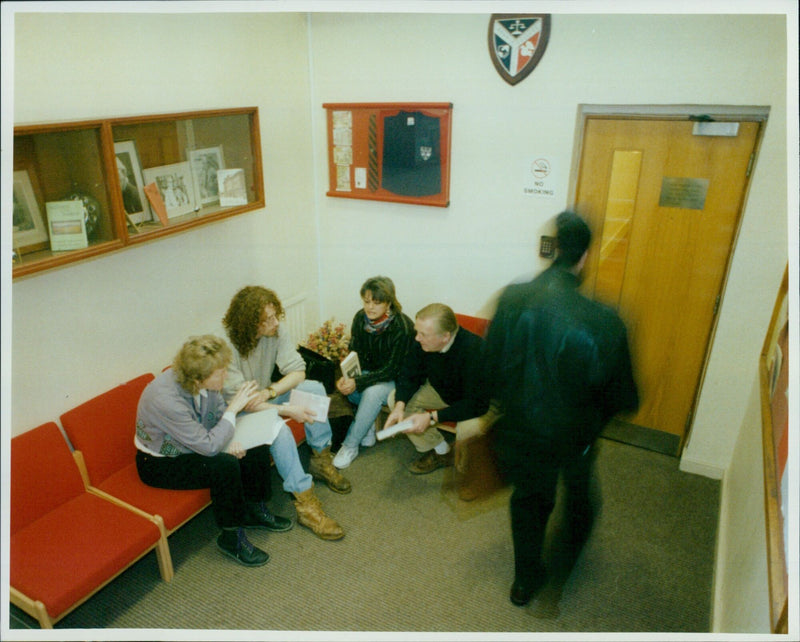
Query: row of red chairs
{"points": [[80, 518]]}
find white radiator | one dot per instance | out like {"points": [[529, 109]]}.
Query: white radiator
{"points": [[295, 321]]}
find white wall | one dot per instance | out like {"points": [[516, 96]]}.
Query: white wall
{"points": [[741, 588], [80, 330], [489, 234]]}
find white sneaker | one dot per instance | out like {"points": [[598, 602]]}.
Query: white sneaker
{"points": [[345, 456], [369, 438]]}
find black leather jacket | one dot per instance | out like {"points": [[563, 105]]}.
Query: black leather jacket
{"points": [[558, 363], [381, 355]]}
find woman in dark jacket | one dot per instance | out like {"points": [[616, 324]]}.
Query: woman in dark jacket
{"points": [[380, 335]]}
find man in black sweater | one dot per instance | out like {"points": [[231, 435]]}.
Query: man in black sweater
{"points": [[439, 382]]}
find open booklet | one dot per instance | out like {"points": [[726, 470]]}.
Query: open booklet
{"points": [[257, 428], [318, 404]]}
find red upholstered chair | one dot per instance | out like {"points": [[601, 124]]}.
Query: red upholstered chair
{"points": [[102, 431], [298, 430], [66, 542], [475, 325]]}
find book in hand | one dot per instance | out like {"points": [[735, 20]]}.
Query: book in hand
{"points": [[393, 430], [257, 428], [351, 366]]}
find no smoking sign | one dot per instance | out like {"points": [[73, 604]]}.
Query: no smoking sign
{"points": [[538, 179]]}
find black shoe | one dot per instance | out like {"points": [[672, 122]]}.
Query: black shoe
{"points": [[236, 545], [259, 516], [431, 461], [522, 593]]}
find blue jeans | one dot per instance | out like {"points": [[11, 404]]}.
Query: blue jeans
{"points": [[287, 461], [318, 434], [369, 402]]}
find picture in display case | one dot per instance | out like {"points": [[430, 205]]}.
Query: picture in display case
{"points": [[30, 232], [131, 182], [232, 187], [176, 186], [206, 163], [67, 223]]}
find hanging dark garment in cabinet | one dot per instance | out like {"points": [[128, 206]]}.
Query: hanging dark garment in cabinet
{"points": [[411, 154]]}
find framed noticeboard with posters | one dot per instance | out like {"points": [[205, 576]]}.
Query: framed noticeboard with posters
{"points": [[390, 151], [774, 384]]}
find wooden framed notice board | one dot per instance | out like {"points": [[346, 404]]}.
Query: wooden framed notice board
{"points": [[774, 384], [390, 152]]}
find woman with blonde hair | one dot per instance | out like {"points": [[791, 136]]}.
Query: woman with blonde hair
{"points": [[184, 432]]}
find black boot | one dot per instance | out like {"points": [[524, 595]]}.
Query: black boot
{"points": [[522, 591], [259, 516], [234, 543]]}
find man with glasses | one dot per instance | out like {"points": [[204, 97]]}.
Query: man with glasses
{"points": [[260, 349]]}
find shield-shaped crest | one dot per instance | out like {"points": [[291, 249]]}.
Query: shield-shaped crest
{"points": [[517, 43]]}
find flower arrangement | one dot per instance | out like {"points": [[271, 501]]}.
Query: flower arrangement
{"points": [[331, 341]]}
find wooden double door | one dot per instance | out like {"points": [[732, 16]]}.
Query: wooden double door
{"points": [[664, 200]]}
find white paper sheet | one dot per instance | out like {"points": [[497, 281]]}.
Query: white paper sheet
{"points": [[257, 428], [393, 430]]}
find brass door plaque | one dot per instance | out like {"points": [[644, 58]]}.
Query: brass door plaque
{"points": [[688, 193]]}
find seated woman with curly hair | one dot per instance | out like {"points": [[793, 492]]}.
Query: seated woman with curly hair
{"points": [[252, 324]]}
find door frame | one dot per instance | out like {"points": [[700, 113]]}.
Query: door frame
{"points": [[722, 113]]}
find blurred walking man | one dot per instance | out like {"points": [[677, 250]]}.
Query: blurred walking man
{"points": [[559, 365]]}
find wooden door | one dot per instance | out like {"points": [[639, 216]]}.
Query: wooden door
{"points": [[664, 205]]}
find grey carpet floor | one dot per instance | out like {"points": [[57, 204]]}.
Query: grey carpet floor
{"points": [[416, 559]]}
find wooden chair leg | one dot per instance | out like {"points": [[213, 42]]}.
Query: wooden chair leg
{"points": [[163, 555], [41, 614], [34, 608]]}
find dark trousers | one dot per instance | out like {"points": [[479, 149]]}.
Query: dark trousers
{"points": [[232, 481], [532, 502]]}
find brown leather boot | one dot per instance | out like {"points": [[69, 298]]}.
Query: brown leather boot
{"points": [[321, 467], [310, 514]]}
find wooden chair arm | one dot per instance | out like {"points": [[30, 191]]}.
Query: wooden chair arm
{"points": [[81, 462]]}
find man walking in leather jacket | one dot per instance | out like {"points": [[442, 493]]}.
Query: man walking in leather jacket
{"points": [[560, 367]]}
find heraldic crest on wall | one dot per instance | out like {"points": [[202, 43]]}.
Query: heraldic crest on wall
{"points": [[517, 43]]}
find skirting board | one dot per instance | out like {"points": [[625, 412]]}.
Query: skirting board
{"points": [[687, 465], [660, 442], [647, 438]]}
